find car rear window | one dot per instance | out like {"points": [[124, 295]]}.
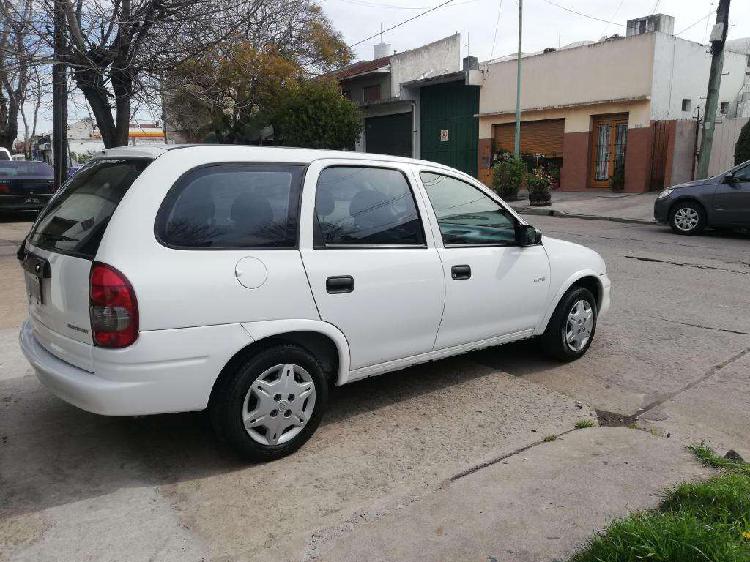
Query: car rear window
{"points": [[225, 206], [77, 216], [13, 168]]}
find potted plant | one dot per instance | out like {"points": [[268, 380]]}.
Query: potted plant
{"points": [[617, 181], [539, 183], [508, 175]]}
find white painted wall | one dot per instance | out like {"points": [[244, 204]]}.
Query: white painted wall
{"points": [[600, 72], [680, 71], [433, 59]]}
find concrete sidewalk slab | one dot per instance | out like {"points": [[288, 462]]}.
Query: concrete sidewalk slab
{"points": [[621, 207], [539, 505]]}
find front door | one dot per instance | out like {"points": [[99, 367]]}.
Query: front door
{"points": [[610, 135], [494, 287], [371, 271], [731, 201]]}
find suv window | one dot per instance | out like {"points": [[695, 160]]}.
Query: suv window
{"points": [[77, 216], [360, 205], [465, 215], [233, 206]]}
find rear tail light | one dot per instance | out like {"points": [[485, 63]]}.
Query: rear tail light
{"points": [[113, 307], [4, 188]]}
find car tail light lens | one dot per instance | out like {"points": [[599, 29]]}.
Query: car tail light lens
{"points": [[4, 188], [113, 307]]}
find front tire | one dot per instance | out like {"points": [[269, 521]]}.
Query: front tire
{"points": [[271, 404], [572, 326], [687, 218]]}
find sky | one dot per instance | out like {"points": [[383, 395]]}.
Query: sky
{"points": [[545, 25], [489, 28]]}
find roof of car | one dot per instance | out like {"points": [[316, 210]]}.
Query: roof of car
{"points": [[273, 153]]}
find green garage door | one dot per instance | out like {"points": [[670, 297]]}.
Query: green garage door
{"points": [[389, 134], [449, 128]]}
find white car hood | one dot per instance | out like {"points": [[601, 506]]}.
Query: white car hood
{"points": [[570, 256]]}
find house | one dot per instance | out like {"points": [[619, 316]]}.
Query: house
{"points": [[420, 103], [626, 104]]}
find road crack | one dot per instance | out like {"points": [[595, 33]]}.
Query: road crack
{"points": [[687, 264], [701, 326]]}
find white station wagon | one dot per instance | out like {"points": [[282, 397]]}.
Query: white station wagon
{"points": [[247, 280]]}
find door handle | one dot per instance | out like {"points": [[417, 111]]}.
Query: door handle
{"points": [[340, 284], [460, 272]]}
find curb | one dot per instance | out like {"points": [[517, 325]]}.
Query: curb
{"points": [[547, 212]]}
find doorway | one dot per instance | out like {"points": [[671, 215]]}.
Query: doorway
{"points": [[609, 141]]}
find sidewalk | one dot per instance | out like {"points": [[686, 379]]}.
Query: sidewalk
{"points": [[621, 207]]}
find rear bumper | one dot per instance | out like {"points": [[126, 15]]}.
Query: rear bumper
{"points": [[24, 202], [151, 377]]}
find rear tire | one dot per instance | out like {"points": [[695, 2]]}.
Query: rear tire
{"points": [[572, 326], [271, 404], [687, 218]]}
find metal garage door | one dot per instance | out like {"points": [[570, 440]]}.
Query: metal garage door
{"points": [[389, 134], [537, 137], [449, 127]]}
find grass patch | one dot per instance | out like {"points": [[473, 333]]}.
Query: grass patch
{"points": [[582, 424], [696, 522], [549, 438]]}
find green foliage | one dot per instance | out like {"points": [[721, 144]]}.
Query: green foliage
{"points": [[550, 438], [582, 424], [696, 522], [316, 115], [742, 148], [508, 176]]}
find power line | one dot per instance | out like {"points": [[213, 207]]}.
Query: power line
{"points": [[656, 6], [497, 25], [604, 31], [576, 12], [402, 23], [692, 25]]}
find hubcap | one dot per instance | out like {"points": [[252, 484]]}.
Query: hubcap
{"points": [[686, 218], [278, 404], [579, 326]]}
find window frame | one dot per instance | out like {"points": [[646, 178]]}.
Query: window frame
{"points": [[298, 170], [515, 219], [317, 235]]}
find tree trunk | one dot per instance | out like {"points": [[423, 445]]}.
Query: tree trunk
{"points": [[96, 94], [9, 128]]}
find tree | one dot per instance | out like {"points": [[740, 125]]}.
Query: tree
{"points": [[742, 148], [18, 44], [315, 114], [120, 50], [230, 91]]}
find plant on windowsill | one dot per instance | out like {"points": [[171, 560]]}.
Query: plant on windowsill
{"points": [[617, 181], [508, 176], [539, 183]]}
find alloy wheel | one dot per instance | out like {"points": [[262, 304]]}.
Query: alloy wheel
{"points": [[686, 219], [579, 325]]}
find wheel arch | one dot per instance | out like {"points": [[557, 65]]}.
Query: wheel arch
{"points": [[322, 340], [588, 279], [685, 199]]}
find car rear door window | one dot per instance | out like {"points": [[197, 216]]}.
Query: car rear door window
{"points": [[233, 206], [77, 216], [366, 206], [466, 215]]}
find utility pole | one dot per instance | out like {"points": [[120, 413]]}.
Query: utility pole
{"points": [[517, 146], [718, 38], [59, 99]]}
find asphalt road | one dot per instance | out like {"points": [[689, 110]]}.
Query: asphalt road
{"points": [[674, 351]]}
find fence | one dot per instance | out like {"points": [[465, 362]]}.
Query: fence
{"points": [[726, 134]]}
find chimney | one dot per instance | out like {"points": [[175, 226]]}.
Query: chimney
{"points": [[471, 63], [381, 50], [655, 22]]}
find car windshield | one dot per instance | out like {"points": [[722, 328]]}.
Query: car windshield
{"points": [[21, 168], [76, 218]]}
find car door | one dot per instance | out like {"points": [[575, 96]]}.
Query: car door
{"points": [[731, 201], [373, 270], [494, 287]]}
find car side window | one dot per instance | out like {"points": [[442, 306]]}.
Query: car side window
{"points": [[743, 174], [233, 206], [365, 206], [465, 215]]}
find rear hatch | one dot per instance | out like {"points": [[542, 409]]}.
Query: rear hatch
{"points": [[58, 253]]}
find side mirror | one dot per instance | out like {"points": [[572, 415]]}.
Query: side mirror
{"points": [[527, 235], [730, 179]]}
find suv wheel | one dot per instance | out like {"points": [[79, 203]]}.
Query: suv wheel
{"points": [[271, 404], [687, 218], [572, 326]]}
